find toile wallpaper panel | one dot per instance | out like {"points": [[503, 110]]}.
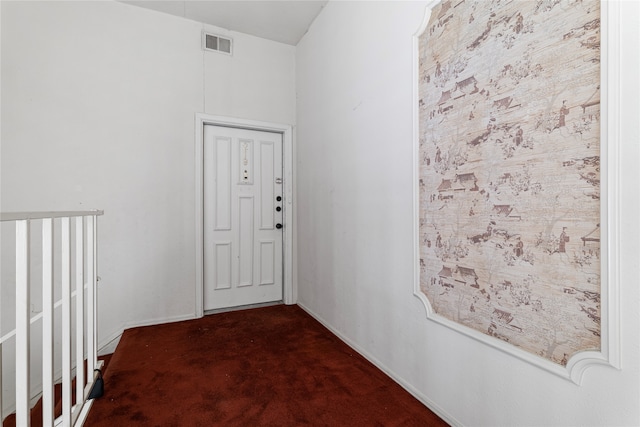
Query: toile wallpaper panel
{"points": [[509, 175]]}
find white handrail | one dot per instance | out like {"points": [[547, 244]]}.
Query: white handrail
{"points": [[17, 216], [81, 256]]}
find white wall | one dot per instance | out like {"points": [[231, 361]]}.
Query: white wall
{"points": [[98, 110], [355, 235], [98, 104], [258, 82]]}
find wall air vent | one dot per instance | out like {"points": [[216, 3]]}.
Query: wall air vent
{"points": [[217, 43]]}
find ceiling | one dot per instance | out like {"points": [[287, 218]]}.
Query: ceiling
{"points": [[281, 21]]}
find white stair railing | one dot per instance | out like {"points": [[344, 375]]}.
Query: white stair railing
{"points": [[81, 254]]}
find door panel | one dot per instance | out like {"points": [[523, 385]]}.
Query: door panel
{"points": [[242, 245], [223, 183], [222, 265], [267, 262], [245, 241], [267, 177]]}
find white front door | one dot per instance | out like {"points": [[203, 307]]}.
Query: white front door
{"points": [[243, 214]]}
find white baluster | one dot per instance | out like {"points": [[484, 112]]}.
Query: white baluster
{"points": [[66, 322], [23, 309], [79, 310], [47, 323], [91, 298], [86, 318]]}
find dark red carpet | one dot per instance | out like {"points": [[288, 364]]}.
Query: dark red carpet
{"points": [[273, 366]]}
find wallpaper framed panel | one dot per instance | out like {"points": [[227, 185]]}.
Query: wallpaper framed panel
{"points": [[515, 135]]}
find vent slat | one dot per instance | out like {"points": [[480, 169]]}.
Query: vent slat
{"points": [[216, 43]]}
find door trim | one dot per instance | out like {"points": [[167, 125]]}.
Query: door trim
{"points": [[288, 288]]}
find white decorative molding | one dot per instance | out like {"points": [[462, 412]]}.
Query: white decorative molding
{"points": [[246, 218], [201, 120], [222, 251], [267, 185], [269, 265], [222, 202], [609, 353]]}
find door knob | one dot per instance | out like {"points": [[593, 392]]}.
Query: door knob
{"points": [[278, 209], [278, 198], [278, 226]]}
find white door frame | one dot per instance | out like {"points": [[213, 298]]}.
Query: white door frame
{"points": [[289, 291]]}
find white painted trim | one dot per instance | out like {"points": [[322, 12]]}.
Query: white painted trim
{"points": [[289, 294], [108, 345], [448, 418], [23, 330], [57, 379], [16, 216], [609, 355], [79, 311], [159, 321], [87, 404], [48, 322], [610, 170]]}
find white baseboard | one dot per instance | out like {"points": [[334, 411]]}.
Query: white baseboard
{"points": [[160, 321], [109, 344], [408, 387]]}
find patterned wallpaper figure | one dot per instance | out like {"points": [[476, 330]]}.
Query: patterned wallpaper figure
{"points": [[509, 110]]}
